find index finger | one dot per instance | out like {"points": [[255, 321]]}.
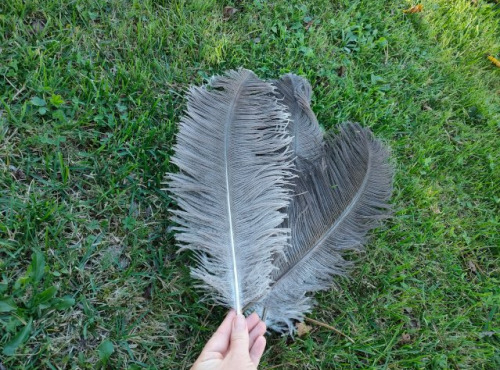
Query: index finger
{"points": [[219, 342]]}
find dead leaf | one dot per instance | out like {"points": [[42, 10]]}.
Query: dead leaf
{"points": [[308, 25], [494, 60], [147, 292], [228, 12], [472, 266], [17, 173], [341, 71], [303, 329], [414, 9], [405, 338], [426, 107]]}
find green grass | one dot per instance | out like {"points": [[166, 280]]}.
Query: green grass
{"points": [[90, 95]]}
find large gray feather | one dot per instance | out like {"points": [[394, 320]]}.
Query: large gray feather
{"points": [[307, 147], [234, 168], [307, 138], [333, 209]]}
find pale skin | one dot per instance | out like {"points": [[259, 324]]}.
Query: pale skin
{"points": [[238, 343]]}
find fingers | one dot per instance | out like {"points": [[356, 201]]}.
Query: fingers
{"points": [[239, 336], [220, 340], [244, 336], [257, 331], [252, 321], [257, 350]]}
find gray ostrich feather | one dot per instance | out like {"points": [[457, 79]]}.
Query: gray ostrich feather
{"points": [[269, 205], [337, 201], [234, 168]]}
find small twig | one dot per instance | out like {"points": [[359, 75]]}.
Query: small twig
{"points": [[18, 91], [283, 366], [312, 321]]}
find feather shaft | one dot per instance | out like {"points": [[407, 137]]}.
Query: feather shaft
{"points": [[236, 281]]}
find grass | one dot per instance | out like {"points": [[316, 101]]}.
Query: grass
{"points": [[90, 94]]}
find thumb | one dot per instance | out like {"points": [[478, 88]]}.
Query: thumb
{"points": [[239, 335]]}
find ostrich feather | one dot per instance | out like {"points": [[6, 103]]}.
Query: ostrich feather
{"points": [[337, 201], [307, 138], [235, 166]]}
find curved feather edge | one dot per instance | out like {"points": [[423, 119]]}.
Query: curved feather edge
{"points": [[331, 213], [295, 93], [234, 164]]}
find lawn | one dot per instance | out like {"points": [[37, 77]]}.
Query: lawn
{"points": [[91, 92]]}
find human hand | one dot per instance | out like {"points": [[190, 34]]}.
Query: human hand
{"points": [[237, 344]]}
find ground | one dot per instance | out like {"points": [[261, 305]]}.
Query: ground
{"points": [[91, 92]]}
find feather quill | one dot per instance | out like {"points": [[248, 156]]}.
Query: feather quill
{"points": [[233, 180], [338, 200]]}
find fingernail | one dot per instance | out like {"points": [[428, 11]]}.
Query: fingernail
{"points": [[240, 323]]}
